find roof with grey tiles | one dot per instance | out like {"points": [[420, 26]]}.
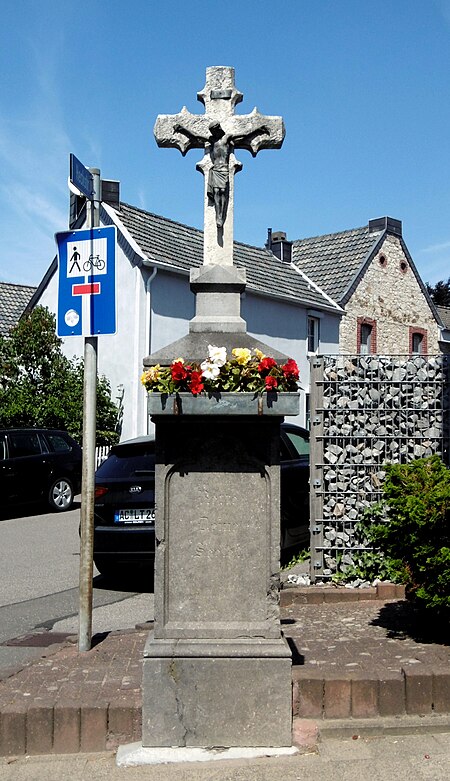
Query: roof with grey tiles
{"points": [[444, 314], [13, 300], [334, 260], [181, 247]]}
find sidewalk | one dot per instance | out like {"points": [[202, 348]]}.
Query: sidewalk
{"points": [[353, 662], [418, 757]]}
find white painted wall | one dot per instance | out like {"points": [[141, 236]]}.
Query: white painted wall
{"points": [[284, 326]]}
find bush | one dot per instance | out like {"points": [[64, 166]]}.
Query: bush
{"points": [[39, 386], [416, 528]]}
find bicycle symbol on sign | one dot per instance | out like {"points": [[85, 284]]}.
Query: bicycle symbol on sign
{"points": [[94, 261]]}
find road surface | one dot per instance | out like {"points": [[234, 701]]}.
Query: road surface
{"points": [[39, 565]]}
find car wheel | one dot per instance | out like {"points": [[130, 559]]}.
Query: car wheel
{"points": [[60, 496]]}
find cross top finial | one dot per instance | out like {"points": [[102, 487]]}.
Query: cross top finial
{"points": [[219, 95]]}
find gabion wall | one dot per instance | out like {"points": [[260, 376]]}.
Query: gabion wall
{"points": [[367, 410]]}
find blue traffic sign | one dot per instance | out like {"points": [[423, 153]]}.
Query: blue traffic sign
{"points": [[81, 177], [86, 282]]}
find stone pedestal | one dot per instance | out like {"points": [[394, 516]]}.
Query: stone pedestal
{"points": [[216, 668]]}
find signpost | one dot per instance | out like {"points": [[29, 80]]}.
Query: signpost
{"points": [[87, 307], [81, 177], [86, 282]]}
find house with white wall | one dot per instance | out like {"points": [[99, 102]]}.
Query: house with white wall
{"points": [[154, 256]]}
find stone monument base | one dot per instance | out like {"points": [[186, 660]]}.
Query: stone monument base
{"points": [[195, 690]]}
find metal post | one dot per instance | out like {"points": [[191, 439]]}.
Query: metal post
{"points": [[88, 479]]}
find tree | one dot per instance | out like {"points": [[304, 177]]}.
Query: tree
{"points": [[39, 386], [440, 292]]}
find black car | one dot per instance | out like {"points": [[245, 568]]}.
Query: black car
{"points": [[38, 464], [124, 512]]}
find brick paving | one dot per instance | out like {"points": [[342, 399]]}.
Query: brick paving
{"points": [[364, 659], [351, 659]]}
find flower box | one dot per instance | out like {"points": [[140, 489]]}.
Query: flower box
{"points": [[224, 404]]}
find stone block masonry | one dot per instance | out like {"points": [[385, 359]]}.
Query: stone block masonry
{"points": [[390, 294]]}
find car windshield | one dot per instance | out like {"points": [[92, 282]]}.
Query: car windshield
{"points": [[128, 461], [300, 442]]}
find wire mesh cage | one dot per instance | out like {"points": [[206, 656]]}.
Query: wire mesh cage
{"points": [[367, 411]]}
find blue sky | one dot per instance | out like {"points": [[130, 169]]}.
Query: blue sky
{"points": [[363, 87]]}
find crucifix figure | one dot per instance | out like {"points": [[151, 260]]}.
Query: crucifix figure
{"points": [[219, 132]]}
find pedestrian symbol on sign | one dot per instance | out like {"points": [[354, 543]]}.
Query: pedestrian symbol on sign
{"points": [[86, 258], [75, 261]]}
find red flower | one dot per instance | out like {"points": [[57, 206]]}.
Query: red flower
{"points": [[290, 369], [178, 371], [271, 383], [195, 385], [266, 365]]}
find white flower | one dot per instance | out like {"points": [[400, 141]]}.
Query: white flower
{"points": [[217, 355], [209, 370]]}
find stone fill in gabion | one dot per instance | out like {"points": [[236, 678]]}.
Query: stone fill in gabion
{"points": [[366, 411]]}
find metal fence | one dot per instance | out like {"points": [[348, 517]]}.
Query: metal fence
{"points": [[366, 411], [101, 452]]}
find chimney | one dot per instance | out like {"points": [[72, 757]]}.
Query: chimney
{"points": [[111, 192], [278, 244], [110, 195], [386, 223]]}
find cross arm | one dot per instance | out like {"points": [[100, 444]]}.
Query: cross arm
{"points": [[255, 131], [182, 131]]}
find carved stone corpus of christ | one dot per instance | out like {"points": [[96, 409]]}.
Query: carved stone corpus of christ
{"points": [[219, 131]]}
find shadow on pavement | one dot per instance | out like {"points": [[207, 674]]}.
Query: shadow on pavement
{"points": [[28, 510], [126, 581], [404, 619]]}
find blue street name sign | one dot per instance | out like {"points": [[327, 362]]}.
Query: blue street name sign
{"points": [[86, 282], [81, 177]]}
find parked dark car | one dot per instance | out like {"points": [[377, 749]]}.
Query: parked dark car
{"points": [[39, 465], [124, 520]]}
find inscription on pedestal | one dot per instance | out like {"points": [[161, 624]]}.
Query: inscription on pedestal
{"points": [[217, 526], [218, 541]]}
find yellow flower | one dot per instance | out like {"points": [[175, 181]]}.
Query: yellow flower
{"points": [[259, 354], [151, 375], [242, 355], [177, 360]]}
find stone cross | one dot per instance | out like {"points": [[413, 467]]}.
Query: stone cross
{"points": [[219, 131]]}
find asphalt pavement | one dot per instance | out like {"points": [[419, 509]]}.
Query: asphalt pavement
{"points": [[39, 564]]}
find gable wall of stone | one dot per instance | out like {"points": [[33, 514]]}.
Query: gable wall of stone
{"points": [[389, 294]]}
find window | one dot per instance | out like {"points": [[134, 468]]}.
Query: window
{"points": [[418, 341], [301, 443], [313, 334], [24, 443], [366, 339], [58, 443]]}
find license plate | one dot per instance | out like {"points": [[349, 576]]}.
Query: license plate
{"points": [[141, 515]]}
